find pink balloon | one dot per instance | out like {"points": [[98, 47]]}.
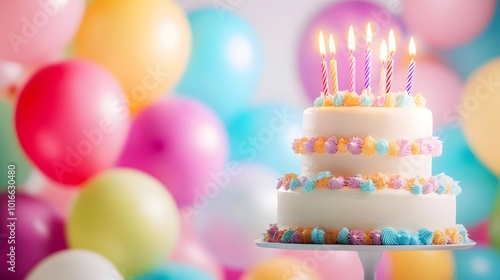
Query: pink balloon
{"points": [[329, 264], [182, 143], [447, 23], [480, 233], [72, 121], [441, 87], [34, 31], [336, 19], [188, 250]]}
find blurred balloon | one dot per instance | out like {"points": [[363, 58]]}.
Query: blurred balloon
{"points": [[128, 217], [188, 250], [440, 86], [226, 62], [477, 263], [56, 195], [465, 59], [478, 185], [480, 232], [35, 31], [282, 267], [479, 110], [75, 265], [10, 73], [147, 45], [10, 149], [176, 271], [419, 265], [437, 23], [336, 19], [263, 134], [494, 230], [232, 274], [330, 264], [183, 144], [37, 233], [229, 219], [70, 122]]}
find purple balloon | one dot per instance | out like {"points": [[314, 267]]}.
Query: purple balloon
{"points": [[183, 144], [336, 19], [37, 233]]}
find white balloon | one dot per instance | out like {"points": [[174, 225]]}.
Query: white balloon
{"points": [[74, 264], [231, 219]]}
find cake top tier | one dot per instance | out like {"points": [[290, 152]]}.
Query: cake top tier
{"points": [[366, 99]]}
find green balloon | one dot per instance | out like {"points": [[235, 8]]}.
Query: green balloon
{"points": [[10, 148], [495, 224], [128, 217]]}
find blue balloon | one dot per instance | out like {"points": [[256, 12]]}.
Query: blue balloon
{"points": [[264, 134], [477, 263], [226, 61], [10, 148], [467, 58], [176, 271], [479, 185]]}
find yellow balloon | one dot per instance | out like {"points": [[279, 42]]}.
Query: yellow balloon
{"points": [[429, 265], [145, 44], [280, 268], [126, 216], [480, 111]]}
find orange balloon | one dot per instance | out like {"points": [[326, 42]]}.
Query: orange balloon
{"points": [[281, 268], [145, 44], [427, 265]]}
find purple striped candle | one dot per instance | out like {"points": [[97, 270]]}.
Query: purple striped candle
{"points": [[411, 68]]}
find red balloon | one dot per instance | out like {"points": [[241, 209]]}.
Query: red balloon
{"points": [[72, 120]]}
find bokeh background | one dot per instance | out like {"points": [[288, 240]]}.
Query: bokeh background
{"points": [[144, 138]]}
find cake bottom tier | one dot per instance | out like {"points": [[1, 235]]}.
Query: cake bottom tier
{"points": [[355, 209], [351, 216]]}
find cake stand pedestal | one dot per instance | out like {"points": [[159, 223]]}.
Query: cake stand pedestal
{"points": [[368, 254]]}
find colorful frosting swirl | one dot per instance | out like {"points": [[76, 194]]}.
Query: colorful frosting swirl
{"points": [[368, 146], [385, 236], [366, 99], [440, 184]]}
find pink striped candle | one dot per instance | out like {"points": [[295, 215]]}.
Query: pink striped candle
{"points": [[368, 58], [352, 61], [390, 62], [324, 73], [411, 68]]}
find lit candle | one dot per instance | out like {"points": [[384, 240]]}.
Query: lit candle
{"points": [[411, 68], [368, 58], [324, 75], [383, 58], [390, 62], [333, 66], [352, 67]]}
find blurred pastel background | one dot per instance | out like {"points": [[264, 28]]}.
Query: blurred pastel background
{"points": [[144, 138]]}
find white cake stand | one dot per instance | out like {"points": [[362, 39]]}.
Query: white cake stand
{"points": [[368, 254]]}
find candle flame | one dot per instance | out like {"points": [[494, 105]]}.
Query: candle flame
{"points": [[350, 42], [383, 51], [332, 45], [392, 42], [322, 44], [413, 49], [369, 34]]}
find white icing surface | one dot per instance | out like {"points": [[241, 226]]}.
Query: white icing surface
{"points": [[390, 124], [355, 209], [350, 165]]}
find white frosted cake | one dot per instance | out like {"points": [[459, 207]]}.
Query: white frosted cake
{"points": [[366, 176]]}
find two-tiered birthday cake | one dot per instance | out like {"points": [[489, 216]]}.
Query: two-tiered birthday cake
{"points": [[366, 176]]}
